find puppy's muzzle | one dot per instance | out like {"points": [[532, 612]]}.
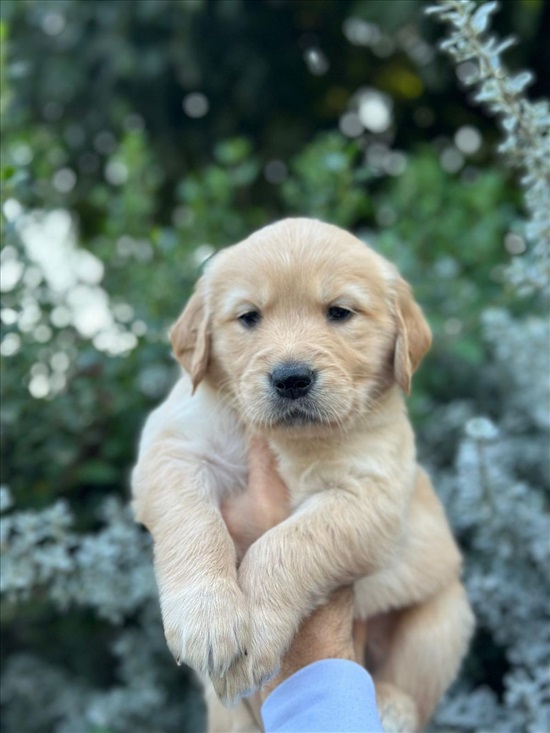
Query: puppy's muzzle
{"points": [[292, 380]]}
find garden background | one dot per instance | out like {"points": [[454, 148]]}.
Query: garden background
{"points": [[139, 137]]}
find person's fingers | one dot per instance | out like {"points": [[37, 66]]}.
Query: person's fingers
{"points": [[360, 637], [241, 520], [269, 495], [264, 504], [264, 482]]}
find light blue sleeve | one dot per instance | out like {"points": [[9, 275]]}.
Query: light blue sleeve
{"points": [[329, 696]]}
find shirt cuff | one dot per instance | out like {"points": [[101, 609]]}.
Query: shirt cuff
{"points": [[329, 696]]}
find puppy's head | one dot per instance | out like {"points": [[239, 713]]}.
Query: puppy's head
{"points": [[301, 325]]}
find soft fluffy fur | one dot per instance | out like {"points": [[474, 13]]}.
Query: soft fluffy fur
{"points": [[363, 511]]}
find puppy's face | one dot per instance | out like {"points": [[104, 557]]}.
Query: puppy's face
{"points": [[302, 326]]}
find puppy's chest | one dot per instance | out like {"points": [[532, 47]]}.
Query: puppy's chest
{"points": [[306, 475], [298, 483], [359, 466]]}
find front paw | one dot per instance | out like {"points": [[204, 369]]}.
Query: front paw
{"points": [[270, 636], [206, 626], [398, 711], [247, 675]]}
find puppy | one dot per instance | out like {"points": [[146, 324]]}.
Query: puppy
{"points": [[305, 336]]}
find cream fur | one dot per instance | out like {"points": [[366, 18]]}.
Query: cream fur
{"points": [[362, 509]]}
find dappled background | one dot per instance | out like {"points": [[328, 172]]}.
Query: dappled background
{"points": [[138, 138]]}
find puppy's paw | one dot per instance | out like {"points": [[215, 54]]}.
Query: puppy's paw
{"points": [[270, 637], [273, 624], [206, 626], [398, 711], [246, 676]]}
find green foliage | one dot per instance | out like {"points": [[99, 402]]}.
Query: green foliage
{"points": [[447, 235], [326, 182], [217, 199]]}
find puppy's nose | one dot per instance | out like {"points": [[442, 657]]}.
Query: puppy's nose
{"points": [[292, 380]]}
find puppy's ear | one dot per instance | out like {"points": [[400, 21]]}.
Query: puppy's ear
{"points": [[414, 337], [190, 336]]}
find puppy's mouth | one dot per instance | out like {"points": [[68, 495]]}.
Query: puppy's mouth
{"points": [[303, 411], [296, 419]]}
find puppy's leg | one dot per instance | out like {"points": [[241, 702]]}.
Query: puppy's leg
{"points": [[423, 656], [177, 486], [203, 609]]}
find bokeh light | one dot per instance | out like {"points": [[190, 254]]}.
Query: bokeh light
{"points": [[375, 110], [468, 139], [195, 105]]}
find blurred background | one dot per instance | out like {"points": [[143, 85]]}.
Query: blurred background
{"points": [[140, 136]]}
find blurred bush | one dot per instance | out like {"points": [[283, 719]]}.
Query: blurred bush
{"points": [[137, 139]]}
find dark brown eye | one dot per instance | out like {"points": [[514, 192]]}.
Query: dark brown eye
{"points": [[336, 313], [250, 319]]}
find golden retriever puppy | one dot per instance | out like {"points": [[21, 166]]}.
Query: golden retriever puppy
{"points": [[305, 336]]}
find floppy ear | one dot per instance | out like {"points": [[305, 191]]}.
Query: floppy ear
{"points": [[190, 336], [414, 337]]}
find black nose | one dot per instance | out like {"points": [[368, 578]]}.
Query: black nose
{"points": [[292, 380]]}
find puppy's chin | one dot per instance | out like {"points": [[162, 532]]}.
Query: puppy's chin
{"points": [[301, 418], [296, 418]]}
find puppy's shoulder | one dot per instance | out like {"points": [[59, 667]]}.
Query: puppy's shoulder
{"points": [[199, 422]]}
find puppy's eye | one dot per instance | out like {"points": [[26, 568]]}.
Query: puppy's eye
{"points": [[250, 319], [336, 313]]}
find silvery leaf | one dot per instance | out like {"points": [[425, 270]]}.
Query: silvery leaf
{"points": [[480, 18]]}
